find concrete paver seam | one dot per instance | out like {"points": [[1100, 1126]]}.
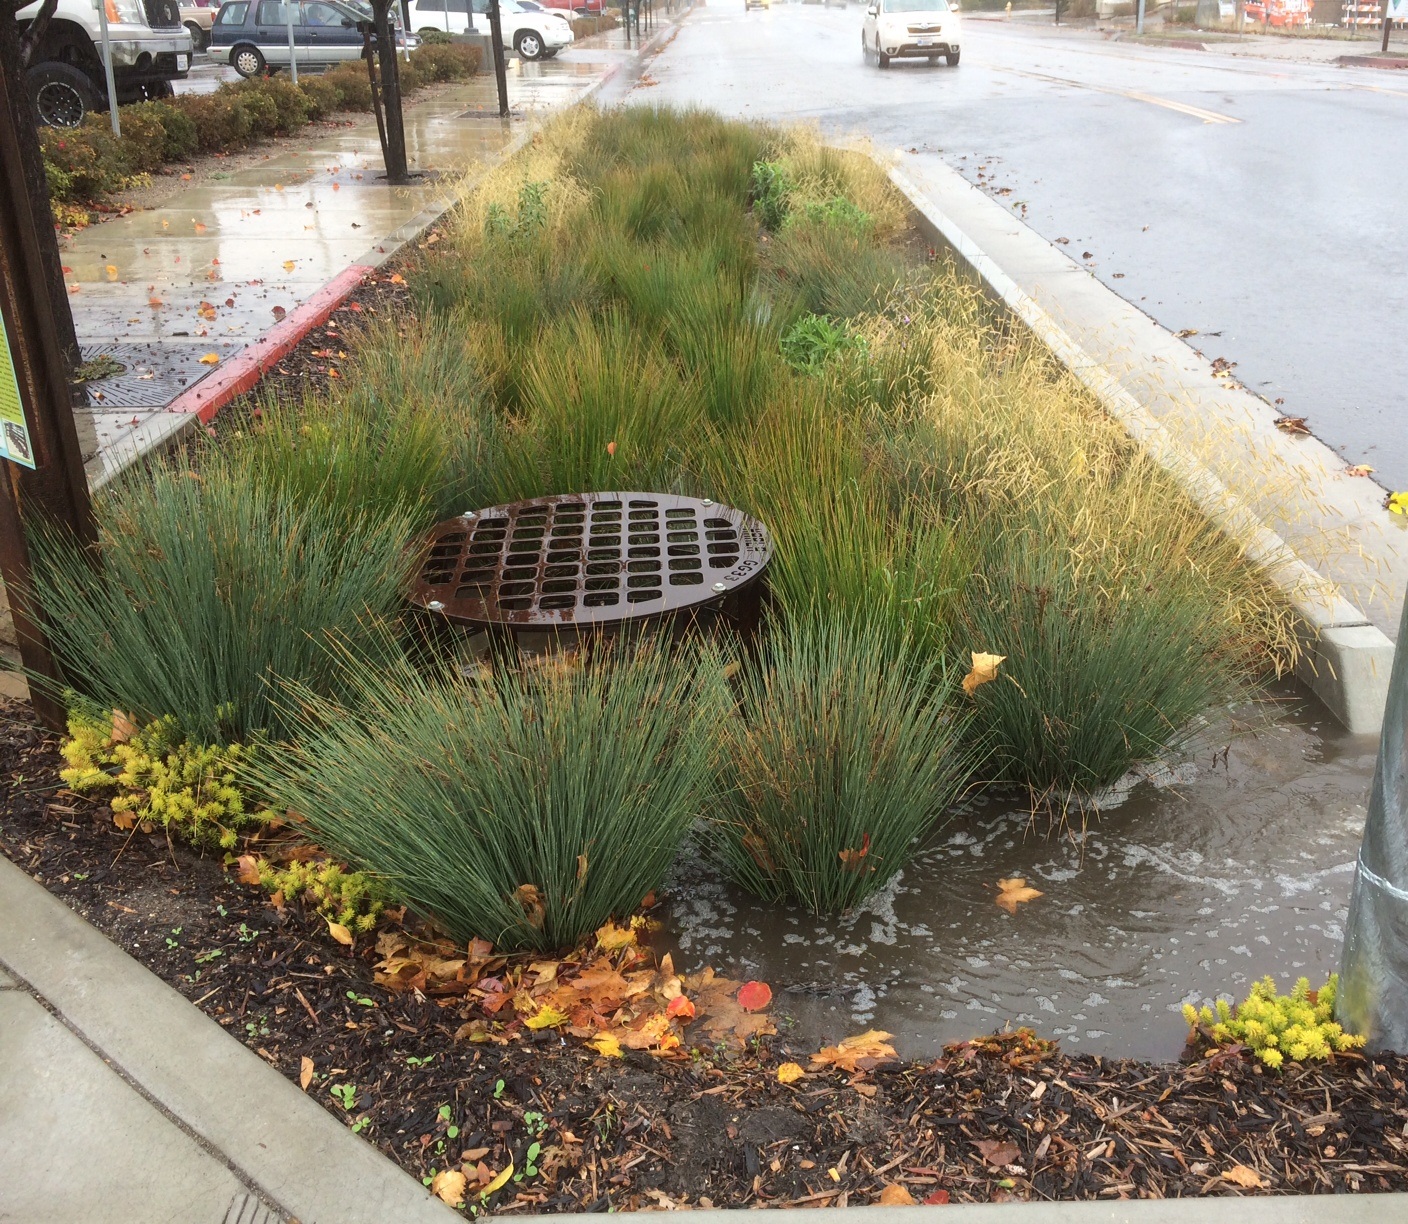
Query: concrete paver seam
{"points": [[1346, 659], [19, 983]]}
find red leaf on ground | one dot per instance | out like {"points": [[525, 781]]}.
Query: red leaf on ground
{"points": [[754, 996]]}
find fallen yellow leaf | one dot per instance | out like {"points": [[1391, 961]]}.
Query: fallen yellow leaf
{"points": [[499, 1182], [547, 1017], [210, 359], [612, 938], [984, 669], [449, 1185], [290, 264], [1240, 1175], [858, 1053], [607, 1045], [789, 1073], [340, 933], [305, 1073], [398, 279], [1011, 893], [895, 1195], [112, 271]]}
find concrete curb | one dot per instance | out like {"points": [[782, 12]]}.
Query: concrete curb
{"points": [[272, 1136], [1373, 61], [1346, 660]]}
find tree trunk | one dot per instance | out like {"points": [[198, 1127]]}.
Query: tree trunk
{"points": [[397, 172]]}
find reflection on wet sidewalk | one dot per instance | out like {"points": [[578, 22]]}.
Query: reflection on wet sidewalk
{"points": [[1229, 862], [220, 262]]}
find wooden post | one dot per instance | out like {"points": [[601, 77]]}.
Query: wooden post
{"points": [[41, 474], [1388, 25]]}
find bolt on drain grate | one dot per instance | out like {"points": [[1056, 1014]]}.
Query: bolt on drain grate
{"points": [[592, 559]]}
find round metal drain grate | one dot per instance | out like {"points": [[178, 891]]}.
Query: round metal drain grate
{"points": [[592, 560]]}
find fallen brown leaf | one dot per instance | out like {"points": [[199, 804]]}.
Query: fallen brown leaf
{"points": [[895, 1195], [998, 1152]]}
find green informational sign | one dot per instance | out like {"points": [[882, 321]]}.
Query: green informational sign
{"points": [[14, 433]]}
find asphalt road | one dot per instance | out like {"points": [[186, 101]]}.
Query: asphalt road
{"points": [[1263, 204]]}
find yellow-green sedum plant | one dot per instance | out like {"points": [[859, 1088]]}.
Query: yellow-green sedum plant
{"points": [[157, 776], [1298, 1026], [352, 899]]}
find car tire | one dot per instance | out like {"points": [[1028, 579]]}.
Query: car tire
{"points": [[952, 58], [880, 57], [200, 39], [528, 44], [247, 60], [61, 94]]}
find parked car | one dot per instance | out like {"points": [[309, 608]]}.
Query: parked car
{"points": [[197, 17], [911, 29], [252, 35], [752, 4], [150, 49], [531, 36]]}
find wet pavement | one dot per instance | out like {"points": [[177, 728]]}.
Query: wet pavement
{"points": [[1226, 862], [1253, 200], [221, 261]]}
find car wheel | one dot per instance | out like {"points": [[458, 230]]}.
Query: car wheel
{"points": [[200, 40], [528, 45], [247, 60], [880, 57], [952, 58], [62, 95]]}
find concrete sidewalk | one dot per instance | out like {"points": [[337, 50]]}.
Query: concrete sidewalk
{"points": [[120, 1103], [175, 291]]}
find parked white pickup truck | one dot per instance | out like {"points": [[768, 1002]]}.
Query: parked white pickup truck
{"points": [[150, 49]]}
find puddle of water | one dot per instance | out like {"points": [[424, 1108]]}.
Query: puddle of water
{"points": [[1200, 875]]}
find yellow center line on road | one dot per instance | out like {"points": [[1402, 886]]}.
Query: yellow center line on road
{"points": [[1183, 108], [1397, 93]]}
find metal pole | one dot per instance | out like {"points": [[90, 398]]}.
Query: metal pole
{"points": [[1373, 997], [1139, 20], [292, 54], [496, 35], [107, 66], [1388, 25]]}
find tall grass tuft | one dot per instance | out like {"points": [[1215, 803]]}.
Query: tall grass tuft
{"points": [[208, 587], [843, 756], [602, 409], [526, 809], [408, 430]]}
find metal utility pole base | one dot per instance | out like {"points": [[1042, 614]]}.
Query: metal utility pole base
{"points": [[1373, 995]]}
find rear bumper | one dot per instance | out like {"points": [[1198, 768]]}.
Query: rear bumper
{"points": [[163, 56]]}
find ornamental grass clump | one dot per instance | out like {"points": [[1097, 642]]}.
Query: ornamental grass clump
{"points": [[525, 807], [1299, 1026], [204, 587], [845, 752], [407, 431]]}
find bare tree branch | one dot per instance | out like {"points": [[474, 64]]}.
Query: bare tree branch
{"points": [[37, 29]]}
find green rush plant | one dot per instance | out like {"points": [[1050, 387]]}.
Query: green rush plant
{"points": [[846, 752], [205, 587], [526, 808]]}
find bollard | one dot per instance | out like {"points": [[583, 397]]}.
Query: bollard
{"points": [[1373, 995]]}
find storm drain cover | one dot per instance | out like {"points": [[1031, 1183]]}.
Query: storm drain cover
{"points": [[145, 375], [589, 559]]}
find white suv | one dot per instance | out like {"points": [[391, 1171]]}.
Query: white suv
{"points": [[150, 49], [911, 29], [530, 35]]}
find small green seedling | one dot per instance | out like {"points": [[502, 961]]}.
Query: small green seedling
{"points": [[530, 1159], [413, 1061], [498, 1090], [534, 1121], [246, 935], [361, 1124], [345, 1094], [206, 957], [361, 1000]]}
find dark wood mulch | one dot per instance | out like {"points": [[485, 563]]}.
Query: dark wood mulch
{"points": [[1005, 1117]]}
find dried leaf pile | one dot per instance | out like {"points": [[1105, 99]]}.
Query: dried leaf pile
{"points": [[607, 1080]]}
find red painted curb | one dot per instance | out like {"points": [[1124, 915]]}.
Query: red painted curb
{"points": [[1373, 61], [238, 374]]}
